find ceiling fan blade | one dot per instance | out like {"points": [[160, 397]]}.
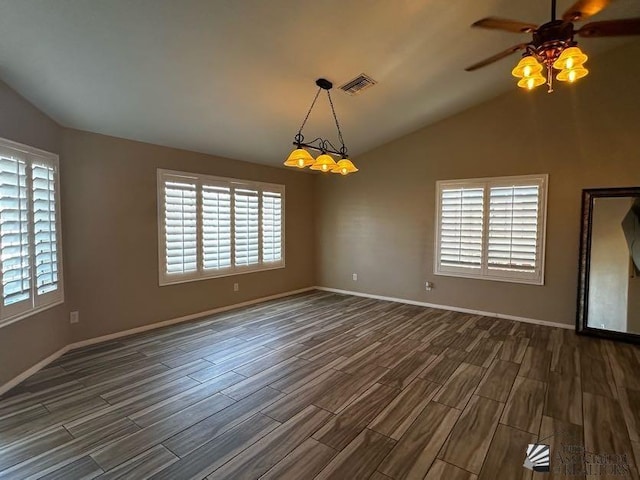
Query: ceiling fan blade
{"points": [[583, 9], [505, 24], [611, 28], [495, 58]]}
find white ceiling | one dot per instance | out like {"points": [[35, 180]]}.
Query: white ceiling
{"points": [[235, 77]]}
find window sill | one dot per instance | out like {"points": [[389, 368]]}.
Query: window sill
{"points": [[534, 281], [165, 282], [30, 313]]}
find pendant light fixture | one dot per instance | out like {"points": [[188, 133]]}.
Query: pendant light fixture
{"points": [[301, 158]]}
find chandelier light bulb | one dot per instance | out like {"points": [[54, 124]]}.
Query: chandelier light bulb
{"points": [[299, 158], [324, 163], [344, 167]]}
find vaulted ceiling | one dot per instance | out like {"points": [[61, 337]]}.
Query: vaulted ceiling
{"points": [[235, 77]]}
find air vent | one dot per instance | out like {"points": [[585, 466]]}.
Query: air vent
{"points": [[358, 84]]}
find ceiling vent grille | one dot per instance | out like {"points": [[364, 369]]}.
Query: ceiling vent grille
{"points": [[358, 84]]}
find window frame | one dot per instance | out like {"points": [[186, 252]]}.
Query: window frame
{"points": [[39, 303], [164, 278], [484, 272]]}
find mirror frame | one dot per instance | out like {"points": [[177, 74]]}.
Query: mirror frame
{"points": [[588, 198]]}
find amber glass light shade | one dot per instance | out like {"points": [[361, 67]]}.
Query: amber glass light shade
{"points": [[572, 74], [527, 67], [344, 167], [531, 82], [571, 57], [324, 163], [299, 158]]}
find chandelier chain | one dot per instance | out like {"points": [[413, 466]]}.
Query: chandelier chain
{"points": [[309, 112], [335, 117]]}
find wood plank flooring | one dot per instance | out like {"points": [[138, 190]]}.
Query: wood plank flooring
{"points": [[329, 386]]}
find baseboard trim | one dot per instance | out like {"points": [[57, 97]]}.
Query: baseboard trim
{"points": [[448, 307], [92, 341], [34, 369], [185, 318]]}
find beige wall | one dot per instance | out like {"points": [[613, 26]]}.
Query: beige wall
{"points": [[26, 342], [111, 235], [379, 223]]}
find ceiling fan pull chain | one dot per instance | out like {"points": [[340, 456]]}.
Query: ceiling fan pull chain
{"points": [[550, 78]]}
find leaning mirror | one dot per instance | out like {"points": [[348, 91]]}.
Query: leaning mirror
{"points": [[609, 283]]}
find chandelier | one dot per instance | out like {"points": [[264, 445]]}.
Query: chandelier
{"points": [[301, 158]]}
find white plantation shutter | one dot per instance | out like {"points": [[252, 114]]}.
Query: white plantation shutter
{"points": [[44, 228], [492, 228], [461, 224], [14, 231], [271, 226], [30, 256], [513, 228], [246, 228], [212, 226], [180, 226], [216, 227]]}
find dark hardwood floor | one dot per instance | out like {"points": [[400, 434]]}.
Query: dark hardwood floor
{"points": [[325, 386]]}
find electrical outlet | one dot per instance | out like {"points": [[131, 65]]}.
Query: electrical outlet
{"points": [[236, 287], [428, 286], [74, 317], [355, 277]]}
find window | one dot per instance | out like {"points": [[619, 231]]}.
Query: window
{"points": [[30, 253], [492, 228], [212, 226]]}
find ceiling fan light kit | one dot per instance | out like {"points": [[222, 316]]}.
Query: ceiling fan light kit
{"points": [[325, 163], [553, 45], [528, 71]]}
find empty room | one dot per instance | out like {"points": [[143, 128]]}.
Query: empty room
{"points": [[341, 239]]}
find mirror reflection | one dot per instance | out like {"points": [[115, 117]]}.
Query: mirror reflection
{"points": [[614, 272]]}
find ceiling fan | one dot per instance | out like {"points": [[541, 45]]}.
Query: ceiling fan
{"points": [[553, 43]]}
